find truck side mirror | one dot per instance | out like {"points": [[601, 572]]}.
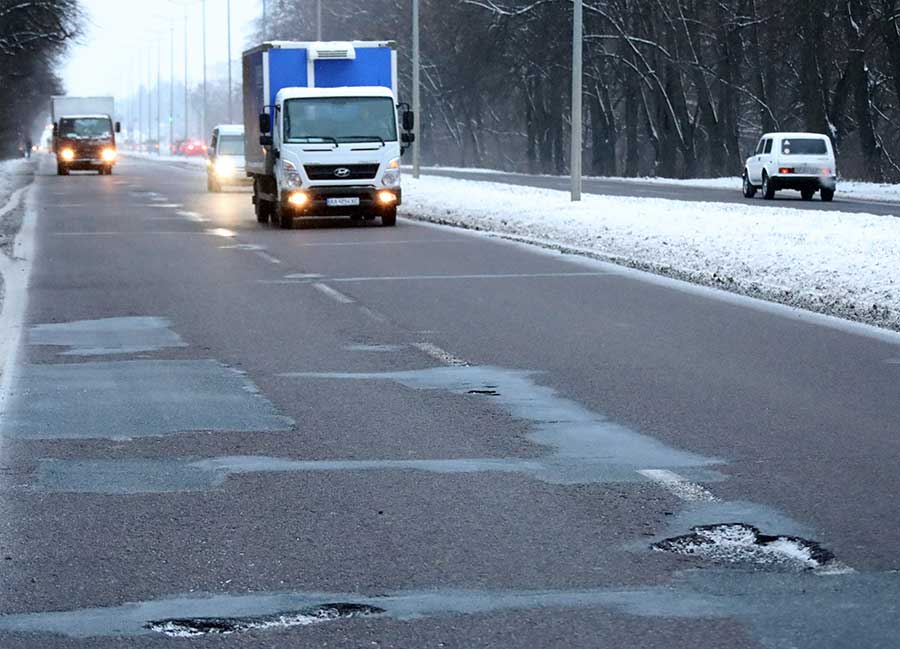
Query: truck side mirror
{"points": [[265, 140], [55, 130], [407, 138], [118, 127], [409, 120], [265, 123]]}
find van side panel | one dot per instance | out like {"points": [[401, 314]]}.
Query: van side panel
{"points": [[254, 104]]}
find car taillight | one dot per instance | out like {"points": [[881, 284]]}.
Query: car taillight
{"points": [[785, 170]]}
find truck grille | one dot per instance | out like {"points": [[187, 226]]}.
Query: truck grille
{"points": [[341, 172]]}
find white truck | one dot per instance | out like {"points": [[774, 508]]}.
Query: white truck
{"points": [[84, 134], [322, 132]]}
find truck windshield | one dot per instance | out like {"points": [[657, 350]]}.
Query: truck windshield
{"points": [[804, 146], [230, 145], [85, 127], [344, 119]]}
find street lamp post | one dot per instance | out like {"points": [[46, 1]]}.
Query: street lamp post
{"points": [[230, 99], [417, 101], [318, 20], [577, 127], [158, 95], [205, 122], [187, 104], [171, 87]]}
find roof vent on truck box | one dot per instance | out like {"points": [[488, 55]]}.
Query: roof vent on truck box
{"points": [[332, 51]]}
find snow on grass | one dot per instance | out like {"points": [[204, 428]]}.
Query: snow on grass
{"points": [[846, 188], [12, 173], [832, 262]]}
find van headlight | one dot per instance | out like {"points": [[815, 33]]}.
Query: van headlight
{"points": [[291, 175], [67, 154], [224, 167], [108, 155]]}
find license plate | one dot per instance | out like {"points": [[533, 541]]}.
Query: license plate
{"points": [[342, 202]]}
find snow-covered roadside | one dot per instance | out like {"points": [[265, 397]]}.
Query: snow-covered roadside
{"points": [[846, 188], [194, 161], [838, 263], [14, 174]]}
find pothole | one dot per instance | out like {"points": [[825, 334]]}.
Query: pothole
{"points": [[739, 543], [200, 626]]}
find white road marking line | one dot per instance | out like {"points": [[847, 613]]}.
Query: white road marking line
{"points": [[269, 258], [452, 277], [221, 232], [441, 355], [679, 486], [303, 276], [163, 205], [373, 315], [337, 296], [376, 243], [193, 216]]}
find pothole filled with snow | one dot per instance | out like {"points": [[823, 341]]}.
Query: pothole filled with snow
{"points": [[200, 626], [738, 543]]}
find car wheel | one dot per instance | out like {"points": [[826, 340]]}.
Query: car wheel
{"points": [[749, 188], [767, 188], [807, 194], [827, 195], [61, 170], [389, 217]]}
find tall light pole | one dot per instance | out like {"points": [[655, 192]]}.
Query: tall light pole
{"points": [[230, 100], [171, 87], [205, 124], [417, 100], [577, 127], [187, 103], [158, 95], [318, 20]]}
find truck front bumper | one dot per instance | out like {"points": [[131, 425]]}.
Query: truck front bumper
{"points": [[344, 200]]}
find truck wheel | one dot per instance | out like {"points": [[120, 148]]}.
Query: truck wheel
{"points": [[749, 188], [283, 216], [389, 217], [263, 210], [807, 194], [61, 170], [827, 195], [767, 188]]}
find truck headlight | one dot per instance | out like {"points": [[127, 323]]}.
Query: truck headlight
{"points": [[391, 177], [291, 175], [108, 155], [67, 154]]}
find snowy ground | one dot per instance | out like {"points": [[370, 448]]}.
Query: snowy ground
{"points": [[846, 188], [193, 161], [839, 263], [14, 174]]}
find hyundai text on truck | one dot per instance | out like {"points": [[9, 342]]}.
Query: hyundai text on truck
{"points": [[84, 135], [322, 132]]}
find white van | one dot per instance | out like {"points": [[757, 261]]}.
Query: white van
{"points": [[799, 161], [226, 164]]}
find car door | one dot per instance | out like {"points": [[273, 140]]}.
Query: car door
{"points": [[767, 158], [754, 169]]}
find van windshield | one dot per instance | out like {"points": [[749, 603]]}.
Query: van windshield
{"points": [[79, 128], [230, 145], [804, 146], [340, 119]]}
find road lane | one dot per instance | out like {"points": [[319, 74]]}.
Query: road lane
{"points": [[486, 431]]}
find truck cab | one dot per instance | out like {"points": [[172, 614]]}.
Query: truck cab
{"points": [[84, 134], [323, 134]]}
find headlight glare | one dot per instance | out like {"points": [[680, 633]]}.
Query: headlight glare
{"points": [[67, 154], [108, 155]]}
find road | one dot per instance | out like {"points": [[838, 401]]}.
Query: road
{"points": [[347, 436], [614, 187]]}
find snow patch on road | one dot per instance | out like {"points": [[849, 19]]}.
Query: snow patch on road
{"points": [[831, 262]]}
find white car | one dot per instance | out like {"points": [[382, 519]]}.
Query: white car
{"points": [[799, 161], [226, 164]]}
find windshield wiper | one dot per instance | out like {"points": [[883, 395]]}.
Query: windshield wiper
{"points": [[327, 138], [364, 138]]}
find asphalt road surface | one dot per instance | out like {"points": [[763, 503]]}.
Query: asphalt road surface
{"points": [[352, 436], [614, 187]]}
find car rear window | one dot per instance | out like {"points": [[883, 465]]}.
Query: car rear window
{"points": [[804, 146]]}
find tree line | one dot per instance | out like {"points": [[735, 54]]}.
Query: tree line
{"points": [[33, 37], [673, 88]]}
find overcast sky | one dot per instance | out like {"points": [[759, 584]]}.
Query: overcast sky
{"points": [[120, 33]]}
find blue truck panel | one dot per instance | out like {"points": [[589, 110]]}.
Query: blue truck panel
{"points": [[372, 67], [287, 69]]}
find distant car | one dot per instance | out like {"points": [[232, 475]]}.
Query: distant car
{"points": [[192, 147], [226, 164], [800, 161]]}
